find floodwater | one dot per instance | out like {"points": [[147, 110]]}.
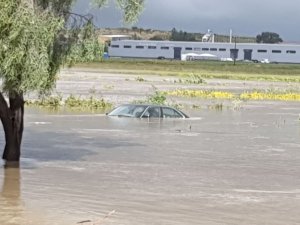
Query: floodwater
{"points": [[228, 167]]}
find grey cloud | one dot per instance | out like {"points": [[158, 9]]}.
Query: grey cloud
{"points": [[245, 17]]}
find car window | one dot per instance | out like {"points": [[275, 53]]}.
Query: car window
{"points": [[153, 112], [121, 110], [170, 113], [128, 110], [138, 111]]}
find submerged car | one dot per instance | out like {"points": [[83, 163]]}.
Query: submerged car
{"points": [[147, 111]]}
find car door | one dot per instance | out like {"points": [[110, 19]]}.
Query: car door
{"points": [[152, 112]]}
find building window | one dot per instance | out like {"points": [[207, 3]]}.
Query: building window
{"points": [[139, 46], [276, 51], [188, 48], [261, 50], [197, 49], [291, 51], [115, 46], [222, 49], [151, 47], [164, 47], [205, 49], [213, 49], [127, 46]]}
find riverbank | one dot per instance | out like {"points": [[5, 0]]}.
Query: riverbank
{"points": [[121, 88]]}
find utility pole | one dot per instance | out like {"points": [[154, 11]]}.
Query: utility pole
{"points": [[235, 51]]}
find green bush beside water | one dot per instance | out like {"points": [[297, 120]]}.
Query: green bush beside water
{"points": [[72, 102]]}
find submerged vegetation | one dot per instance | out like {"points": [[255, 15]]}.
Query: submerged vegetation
{"points": [[71, 102], [158, 98]]}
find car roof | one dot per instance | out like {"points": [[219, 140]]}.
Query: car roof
{"points": [[146, 105], [153, 105], [149, 105]]}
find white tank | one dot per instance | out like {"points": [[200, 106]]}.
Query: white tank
{"points": [[208, 37]]}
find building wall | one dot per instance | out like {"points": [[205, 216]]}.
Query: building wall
{"points": [[155, 49]]}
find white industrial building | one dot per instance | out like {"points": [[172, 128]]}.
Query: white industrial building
{"points": [[282, 53]]}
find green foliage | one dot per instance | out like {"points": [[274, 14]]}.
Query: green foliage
{"points": [[38, 37], [192, 79], [268, 37], [70, 102], [26, 42], [181, 36], [52, 101], [86, 51], [130, 8], [158, 98], [90, 103], [160, 37]]}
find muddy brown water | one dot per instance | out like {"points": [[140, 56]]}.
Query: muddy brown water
{"points": [[219, 167]]}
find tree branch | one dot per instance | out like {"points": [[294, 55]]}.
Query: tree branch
{"points": [[87, 17]]}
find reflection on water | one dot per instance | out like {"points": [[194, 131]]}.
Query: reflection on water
{"points": [[219, 167], [10, 196]]}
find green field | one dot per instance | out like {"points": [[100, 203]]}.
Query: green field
{"points": [[205, 69]]}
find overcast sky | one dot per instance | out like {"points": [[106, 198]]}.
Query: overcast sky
{"points": [[244, 17]]}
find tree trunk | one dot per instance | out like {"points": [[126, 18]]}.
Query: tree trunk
{"points": [[12, 118]]}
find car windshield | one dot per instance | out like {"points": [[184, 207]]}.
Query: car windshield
{"points": [[128, 111]]}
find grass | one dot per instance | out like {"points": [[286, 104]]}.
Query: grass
{"points": [[203, 69], [192, 79]]}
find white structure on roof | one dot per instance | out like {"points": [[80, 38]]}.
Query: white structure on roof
{"points": [[208, 37], [283, 53]]}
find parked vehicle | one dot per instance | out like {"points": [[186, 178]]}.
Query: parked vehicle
{"points": [[147, 111], [265, 61]]}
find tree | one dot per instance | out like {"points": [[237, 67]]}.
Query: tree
{"points": [[268, 37], [181, 36], [36, 38], [159, 37]]}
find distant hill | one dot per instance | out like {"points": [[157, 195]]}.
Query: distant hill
{"points": [[137, 33]]}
